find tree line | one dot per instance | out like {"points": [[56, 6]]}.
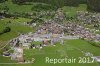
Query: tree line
{"points": [[5, 30], [92, 4]]}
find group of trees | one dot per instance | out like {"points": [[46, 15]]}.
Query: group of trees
{"points": [[44, 7], [19, 1], [58, 3], [92, 4], [5, 30], [1, 1]]}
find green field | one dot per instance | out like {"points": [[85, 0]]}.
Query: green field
{"points": [[71, 48], [15, 8], [71, 11], [16, 26]]}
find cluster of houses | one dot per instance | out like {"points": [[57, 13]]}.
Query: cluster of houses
{"points": [[48, 33], [86, 33], [88, 17]]}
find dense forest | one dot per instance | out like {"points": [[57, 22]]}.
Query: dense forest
{"points": [[92, 4]]}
